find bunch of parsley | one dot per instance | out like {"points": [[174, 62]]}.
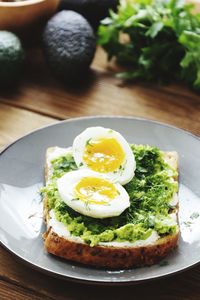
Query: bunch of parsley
{"points": [[158, 40]]}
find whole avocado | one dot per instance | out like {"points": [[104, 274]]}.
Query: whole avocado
{"points": [[11, 58], [69, 45], [92, 10]]}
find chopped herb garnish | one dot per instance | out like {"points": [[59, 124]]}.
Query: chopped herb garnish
{"points": [[88, 142], [75, 199], [194, 215], [163, 263], [62, 165], [150, 191], [87, 205], [187, 223]]}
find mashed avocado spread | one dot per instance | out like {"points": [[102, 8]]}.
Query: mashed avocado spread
{"points": [[150, 191]]}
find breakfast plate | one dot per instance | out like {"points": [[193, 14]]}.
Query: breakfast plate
{"points": [[22, 176]]}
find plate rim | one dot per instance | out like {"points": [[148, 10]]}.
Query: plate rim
{"points": [[69, 120], [76, 278], [100, 282]]}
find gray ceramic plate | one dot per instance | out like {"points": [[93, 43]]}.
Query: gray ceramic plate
{"points": [[21, 176]]}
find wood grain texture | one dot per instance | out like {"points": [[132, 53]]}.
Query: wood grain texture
{"points": [[39, 100], [102, 94], [12, 292], [184, 286], [17, 122]]}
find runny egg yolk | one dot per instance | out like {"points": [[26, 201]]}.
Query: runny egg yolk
{"points": [[103, 155], [94, 190]]}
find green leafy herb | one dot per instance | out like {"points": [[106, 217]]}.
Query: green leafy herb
{"points": [[158, 40]]}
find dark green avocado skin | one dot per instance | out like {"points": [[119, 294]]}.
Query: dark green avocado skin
{"points": [[92, 10], [11, 58], [69, 45]]}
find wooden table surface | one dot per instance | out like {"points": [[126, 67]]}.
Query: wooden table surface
{"points": [[40, 100]]}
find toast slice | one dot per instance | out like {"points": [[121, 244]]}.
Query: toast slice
{"points": [[107, 255]]}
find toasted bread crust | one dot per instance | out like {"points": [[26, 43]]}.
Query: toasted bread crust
{"points": [[107, 256]]}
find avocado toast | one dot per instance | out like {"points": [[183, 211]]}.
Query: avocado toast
{"points": [[143, 234]]}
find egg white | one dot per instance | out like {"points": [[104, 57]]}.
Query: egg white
{"points": [[66, 185], [122, 175]]}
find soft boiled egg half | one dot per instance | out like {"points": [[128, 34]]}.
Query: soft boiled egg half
{"points": [[92, 194], [105, 151]]}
